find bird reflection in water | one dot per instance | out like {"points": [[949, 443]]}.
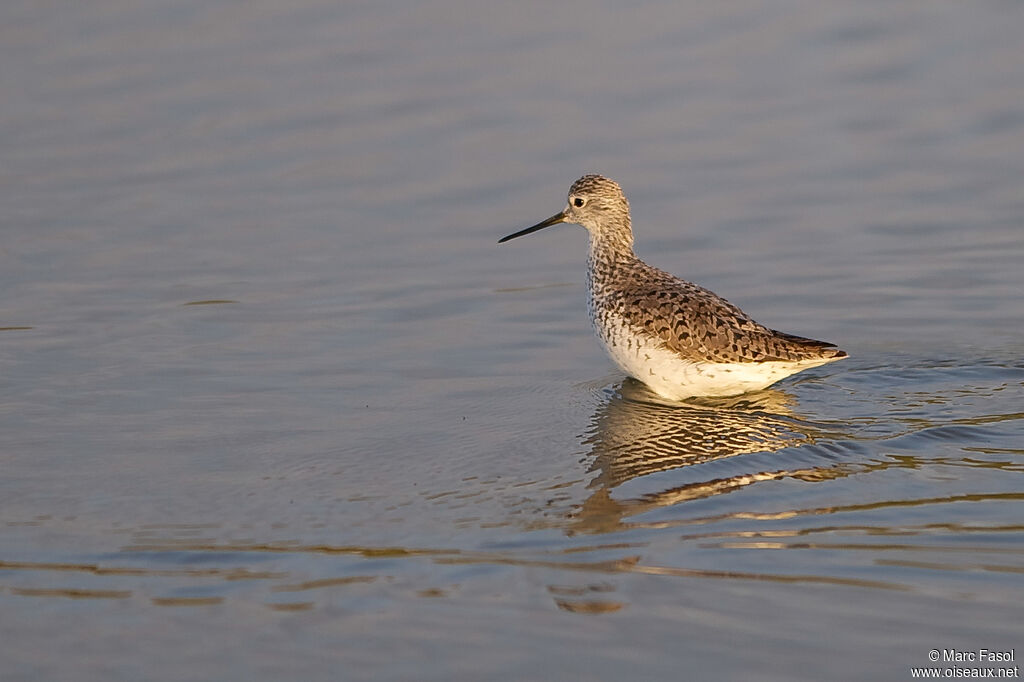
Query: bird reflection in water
{"points": [[637, 434]]}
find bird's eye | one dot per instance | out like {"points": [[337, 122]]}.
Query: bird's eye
{"points": [[578, 202]]}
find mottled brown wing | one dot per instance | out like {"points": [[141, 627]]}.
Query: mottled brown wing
{"points": [[696, 323]]}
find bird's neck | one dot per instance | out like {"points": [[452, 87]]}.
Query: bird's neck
{"points": [[610, 255], [611, 242]]}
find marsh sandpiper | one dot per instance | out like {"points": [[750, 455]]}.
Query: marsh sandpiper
{"points": [[680, 339]]}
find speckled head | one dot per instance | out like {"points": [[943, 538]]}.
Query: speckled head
{"points": [[598, 204]]}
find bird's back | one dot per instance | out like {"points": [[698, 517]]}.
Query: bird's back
{"points": [[689, 320]]}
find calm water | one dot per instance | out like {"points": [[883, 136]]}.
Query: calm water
{"points": [[275, 405]]}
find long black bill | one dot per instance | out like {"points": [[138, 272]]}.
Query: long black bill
{"points": [[553, 220]]}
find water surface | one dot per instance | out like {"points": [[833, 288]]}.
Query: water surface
{"points": [[275, 404]]}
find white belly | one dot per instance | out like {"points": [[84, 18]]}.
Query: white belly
{"points": [[666, 373]]}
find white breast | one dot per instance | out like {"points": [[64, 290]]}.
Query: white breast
{"points": [[645, 358]]}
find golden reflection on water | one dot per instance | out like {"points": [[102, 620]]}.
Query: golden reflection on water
{"points": [[324, 582], [589, 606], [634, 434], [712, 448], [186, 601], [292, 606], [581, 598], [97, 569], [70, 593]]}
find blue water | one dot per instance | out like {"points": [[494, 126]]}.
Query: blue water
{"points": [[275, 404]]}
